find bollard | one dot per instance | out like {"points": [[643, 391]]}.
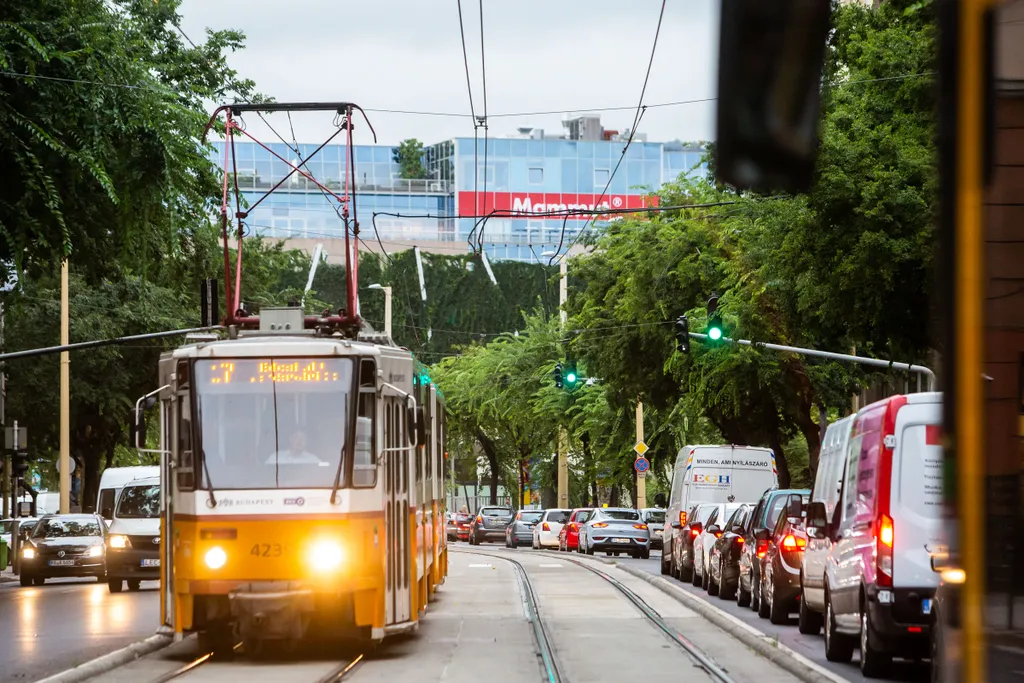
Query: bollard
{"points": [[3, 554]]}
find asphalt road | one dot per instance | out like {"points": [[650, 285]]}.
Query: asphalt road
{"points": [[812, 647], [65, 622]]}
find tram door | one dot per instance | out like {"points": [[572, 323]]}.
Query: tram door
{"points": [[396, 483]]}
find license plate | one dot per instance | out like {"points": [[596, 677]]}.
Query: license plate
{"points": [[926, 606], [62, 563], [620, 540], [151, 563]]}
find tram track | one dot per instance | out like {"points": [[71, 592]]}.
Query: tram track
{"points": [[336, 674], [546, 651]]}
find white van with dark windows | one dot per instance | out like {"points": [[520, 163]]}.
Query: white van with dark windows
{"points": [[879, 583], [133, 541], [711, 474], [111, 482], [828, 482]]}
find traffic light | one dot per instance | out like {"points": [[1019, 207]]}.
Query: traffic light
{"points": [[20, 464], [395, 157], [714, 329], [682, 334], [558, 375], [570, 376]]}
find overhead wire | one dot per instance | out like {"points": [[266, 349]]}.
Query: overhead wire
{"points": [[483, 76], [632, 133]]}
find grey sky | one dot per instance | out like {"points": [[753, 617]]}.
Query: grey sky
{"points": [[406, 54]]}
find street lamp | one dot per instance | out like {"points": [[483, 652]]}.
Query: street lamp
{"points": [[387, 307]]}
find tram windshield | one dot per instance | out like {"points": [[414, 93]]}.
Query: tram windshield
{"points": [[272, 422]]}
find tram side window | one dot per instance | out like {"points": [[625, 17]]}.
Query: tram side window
{"points": [[364, 469], [186, 460]]}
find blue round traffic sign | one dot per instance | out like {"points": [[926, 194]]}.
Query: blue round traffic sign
{"points": [[642, 464]]}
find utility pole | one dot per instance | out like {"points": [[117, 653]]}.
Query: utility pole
{"points": [[65, 396], [387, 307], [5, 474], [641, 476], [563, 445]]}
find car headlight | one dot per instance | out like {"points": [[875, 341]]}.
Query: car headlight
{"points": [[216, 557], [28, 553], [119, 541], [326, 556], [95, 551]]}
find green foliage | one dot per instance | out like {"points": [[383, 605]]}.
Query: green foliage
{"points": [[410, 159]]}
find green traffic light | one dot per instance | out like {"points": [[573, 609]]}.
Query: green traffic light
{"points": [[715, 333], [570, 378]]}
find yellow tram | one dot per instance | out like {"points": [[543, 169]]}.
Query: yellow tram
{"points": [[304, 486]]}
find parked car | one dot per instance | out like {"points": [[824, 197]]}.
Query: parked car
{"points": [[683, 545], [780, 567], [615, 531], [827, 485], [489, 524], [725, 554], [879, 583], [568, 537], [133, 537], [764, 517], [548, 532], [707, 537], [462, 524], [451, 528], [711, 474], [64, 545], [654, 518], [520, 529]]}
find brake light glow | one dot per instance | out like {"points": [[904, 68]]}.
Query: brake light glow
{"points": [[883, 550], [639, 526], [792, 543], [914, 629], [545, 526], [572, 526], [600, 525], [694, 533], [479, 519], [519, 515], [739, 539], [718, 534], [762, 548]]}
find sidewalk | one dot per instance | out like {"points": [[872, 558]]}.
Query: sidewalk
{"points": [[6, 576]]}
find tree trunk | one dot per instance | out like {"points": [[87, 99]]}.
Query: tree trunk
{"points": [[780, 461], [613, 497], [492, 462]]}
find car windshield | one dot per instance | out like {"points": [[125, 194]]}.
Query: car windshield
{"points": [[269, 423], [530, 516], [558, 516], [621, 514], [6, 526], [67, 528], [496, 512], [138, 502], [778, 505], [656, 516]]}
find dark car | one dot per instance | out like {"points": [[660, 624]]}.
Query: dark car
{"points": [[64, 545], [725, 554], [780, 568], [765, 516], [520, 530], [489, 524]]}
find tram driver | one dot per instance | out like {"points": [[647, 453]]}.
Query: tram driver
{"points": [[296, 453]]}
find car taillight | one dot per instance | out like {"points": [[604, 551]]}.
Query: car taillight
{"points": [[694, 533], [479, 519], [883, 550], [739, 539], [682, 518], [762, 548], [545, 526], [792, 543], [572, 526], [639, 526], [519, 516], [600, 525], [718, 534]]}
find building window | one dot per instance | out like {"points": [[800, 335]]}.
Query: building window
{"points": [[536, 176], [485, 175], [601, 177]]}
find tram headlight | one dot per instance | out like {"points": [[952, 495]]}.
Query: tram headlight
{"points": [[326, 556], [215, 557]]}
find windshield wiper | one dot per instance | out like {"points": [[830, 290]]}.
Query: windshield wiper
{"points": [[209, 482]]}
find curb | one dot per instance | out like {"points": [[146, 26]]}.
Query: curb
{"points": [[111, 661], [765, 645]]}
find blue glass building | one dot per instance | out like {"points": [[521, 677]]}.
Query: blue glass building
{"points": [[529, 175]]}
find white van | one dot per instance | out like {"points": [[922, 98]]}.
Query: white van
{"points": [[133, 541], [879, 583], [113, 480], [712, 474], [828, 483]]}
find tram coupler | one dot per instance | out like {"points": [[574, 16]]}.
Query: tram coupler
{"points": [[271, 610]]}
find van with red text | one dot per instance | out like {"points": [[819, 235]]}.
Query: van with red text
{"points": [[879, 583], [711, 474]]}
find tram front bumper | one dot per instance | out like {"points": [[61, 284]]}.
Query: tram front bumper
{"points": [[272, 610]]}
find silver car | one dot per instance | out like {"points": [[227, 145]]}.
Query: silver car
{"points": [[520, 530], [489, 524], [616, 530], [654, 518]]}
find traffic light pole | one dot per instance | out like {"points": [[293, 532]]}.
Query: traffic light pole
{"points": [[563, 446], [641, 477], [921, 370]]}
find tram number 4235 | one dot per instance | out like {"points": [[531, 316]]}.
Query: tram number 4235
{"points": [[269, 550]]}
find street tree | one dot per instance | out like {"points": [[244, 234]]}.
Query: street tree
{"points": [[409, 155]]}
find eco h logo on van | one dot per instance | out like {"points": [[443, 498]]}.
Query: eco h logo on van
{"points": [[711, 478]]}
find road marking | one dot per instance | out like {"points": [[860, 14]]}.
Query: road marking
{"points": [[479, 566], [551, 565]]}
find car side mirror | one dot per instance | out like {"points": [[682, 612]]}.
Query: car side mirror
{"points": [[660, 500], [795, 506], [817, 520], [715, 529], [762, 535]]}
